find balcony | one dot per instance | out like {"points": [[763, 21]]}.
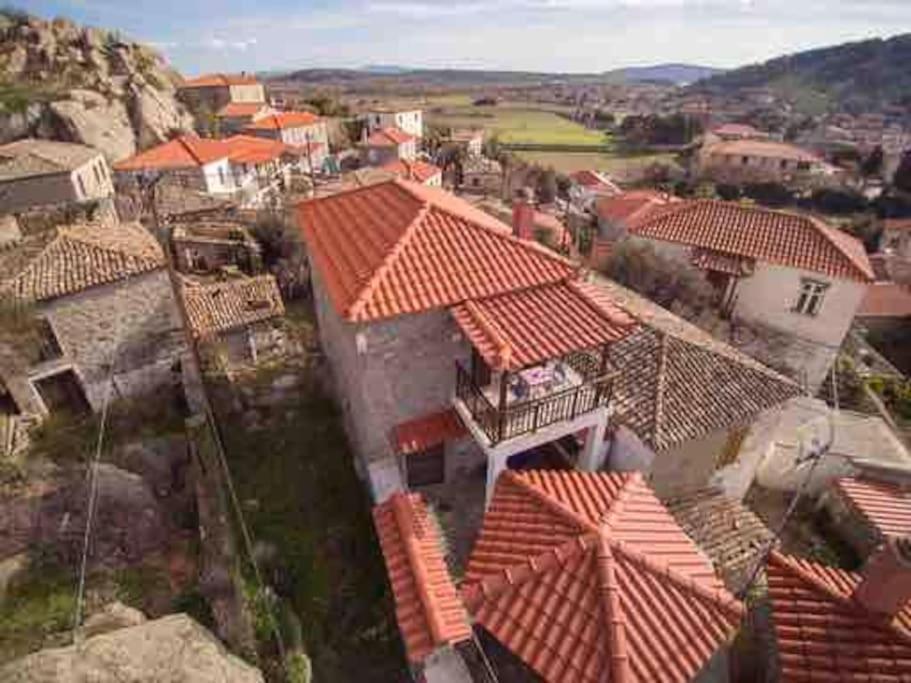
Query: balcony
{"points": [[506, 408]]}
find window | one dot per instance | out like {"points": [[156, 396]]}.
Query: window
{"points": [[783, 163], [82, 191], [426, 467], [744, 160], [97, 174], [48, 346], [809, 300], [221, 175]]}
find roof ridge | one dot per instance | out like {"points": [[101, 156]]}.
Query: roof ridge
{"points": [[660, 382], [549, 501], [824, 229], [494, 584], [612, 612], [492, 330], [183, 143], [721, 596], [619, 503], [380, 272]]}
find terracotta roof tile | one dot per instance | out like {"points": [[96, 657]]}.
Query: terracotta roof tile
{"points": [[777, 237], [400, 247], [427, 605], [218, 80], [632, 206], [426, 431], [824, 635], [241, 109], [419, 171], [594, 180], [186, 151], [388, 137], [675, 382], [248, 149], [729, 533], [887, 506], [518, 329], [886, 300], [284, 119], [586, 577], [224, 306], [761, 148], [721, 262], [83, 256]]}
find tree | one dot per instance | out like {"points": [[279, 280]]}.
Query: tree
{"points": [[902, 177], [873, 164], [547, 186]]}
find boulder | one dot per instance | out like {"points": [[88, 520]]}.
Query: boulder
{"points": [[173, 648], [90, 118], [155, 115], [114, 616]]}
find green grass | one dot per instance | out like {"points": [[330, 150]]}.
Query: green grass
{"points": [[615, 164], [516, 123], [311, 507], [34, 608]]}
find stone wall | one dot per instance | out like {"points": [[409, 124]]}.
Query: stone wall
{"points": [[150, 341]]}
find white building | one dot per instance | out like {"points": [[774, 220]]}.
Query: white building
{"points": [[44, 172], [388, 145], [409, 120], [790, 275]]}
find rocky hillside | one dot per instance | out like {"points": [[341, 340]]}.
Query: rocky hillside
{"points": [[64, 81]]}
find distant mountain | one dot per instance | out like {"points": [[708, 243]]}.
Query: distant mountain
{"points": [[857, 76], [678, 74], [384, 69]]}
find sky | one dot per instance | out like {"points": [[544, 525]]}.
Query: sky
{"points": [[582, 36]]}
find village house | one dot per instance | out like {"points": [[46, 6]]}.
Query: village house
{"points": [[470, 140], [235, 116], [299, 129], [481, 175], [44, 172], [100, 294], [207, 246], [236, 315], [419, 171], [500, 349], [211, 92], [409, 120], [791, 275], [242, 167], [748, 160], [589, 185], [387, 145]]}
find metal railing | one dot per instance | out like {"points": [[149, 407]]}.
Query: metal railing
{"points": [[534, 414]]}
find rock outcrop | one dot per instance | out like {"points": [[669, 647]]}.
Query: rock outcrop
{"points": [[80, 84], [173, 648]]}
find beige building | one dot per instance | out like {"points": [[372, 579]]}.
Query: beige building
{"points": [[749, 160], [300, 129], [214, 91], [409, 120], [99, 295], [44, 172]]}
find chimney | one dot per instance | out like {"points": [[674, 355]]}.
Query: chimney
{"points": [[885, 586], [523, 214]]}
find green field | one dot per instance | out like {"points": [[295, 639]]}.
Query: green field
{"points": [[514, 123], [618, 166]]}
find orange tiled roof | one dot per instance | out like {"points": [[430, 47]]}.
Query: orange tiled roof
{"points": [[631, 206], [778, 237], [83, 256], [419, 171], [824, 635], [761, 148], [218, 80], [284, 119], [400, 247], [886, 506], [427, 606], [224, 306], [594, 180], [426, 431], [239, 109], [587, 577], [186, 151], [886, 300], [248, 149], [722, 262], [521, 328], [388, 137]]}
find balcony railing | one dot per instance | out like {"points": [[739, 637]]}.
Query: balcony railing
{"points": [[531, 415]]}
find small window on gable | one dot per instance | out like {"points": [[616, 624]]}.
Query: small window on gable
{"points": [[82, 191], [809, 299], [426, 467], [48, 346], [744, 160], [221, 175]]}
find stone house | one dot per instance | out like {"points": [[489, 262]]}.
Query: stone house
{"points": [[211, 92], [418, 171], [387, 145], [206, 246], [441, 374], [237, 314], [748, 160], [98, 294], [235, 116], [409, 120], [790, 275], [481, 175], [302, 130], [44, 172]]}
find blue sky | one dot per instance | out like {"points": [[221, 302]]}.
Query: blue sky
{"points": [[546, 35]]}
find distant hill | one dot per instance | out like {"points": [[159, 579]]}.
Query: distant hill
{"points": [[384, 69], [678, 74], [856, 76]]}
